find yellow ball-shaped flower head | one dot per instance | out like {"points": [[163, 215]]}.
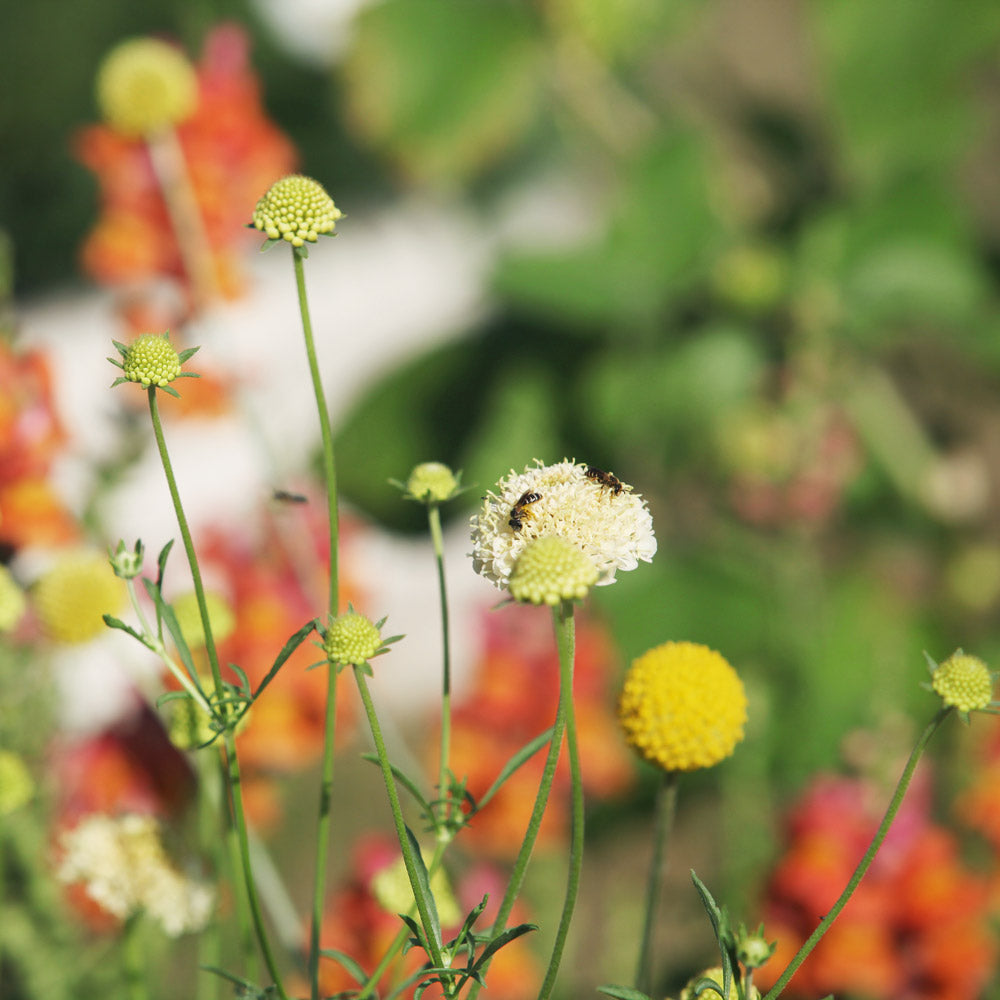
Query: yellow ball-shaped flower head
{"points": [[145, 85], [551, 570], [352, 639], [963, 682], [682, 706], [296, 209], [72, 597]]}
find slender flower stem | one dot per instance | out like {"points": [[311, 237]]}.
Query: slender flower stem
{"points": [[564, 623], [444, 785], [666, 805], [233, 774], [323, 830], [329, 467], [534, 823], [330, 475], [865, 863], [397, 816], [135, 982]]}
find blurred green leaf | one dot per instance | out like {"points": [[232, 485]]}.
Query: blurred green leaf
{"points": [[661, 235], [444, 87]]}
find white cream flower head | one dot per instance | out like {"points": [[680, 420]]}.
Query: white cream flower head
{"points": [[123, 866], [595, 511]]}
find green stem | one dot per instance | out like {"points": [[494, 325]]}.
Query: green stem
{"points": [[444, 784], [402, 935], [666, 805], [235, 788], [865, 863], [135, 981], [534, 823], [397, 816], [329, 467], [323, 832], [564, 624]]}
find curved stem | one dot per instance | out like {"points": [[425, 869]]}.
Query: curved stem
{"points": [[563, 621], [534, 823], [865, 863], [397, 816], [444, 784], [666, 804], [323, 830]]}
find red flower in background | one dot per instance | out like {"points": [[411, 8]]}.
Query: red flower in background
{"points": [[231, 153], [513, 698], [917, 926]]}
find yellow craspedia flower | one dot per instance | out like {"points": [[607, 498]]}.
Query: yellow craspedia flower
{"points": [[352, 638], [220, 614], [145, 85], [12, 601], [551, 570], [296, 209], [682, 706], [16, 784], [964, 682], [72, 597], [431, 482]]}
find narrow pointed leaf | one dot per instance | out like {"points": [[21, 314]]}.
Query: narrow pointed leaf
{"points": [[522, 755], [117, 623], [623, 993], [166, 613], [510, 934], [353, 969], [286, 651], [403, 779], [423, 880]]}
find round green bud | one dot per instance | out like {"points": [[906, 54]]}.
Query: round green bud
{"points": [[16, 784], [963, 682], [431, 482], [296, 209], [351, 638], [151, 360], [551, 570]]}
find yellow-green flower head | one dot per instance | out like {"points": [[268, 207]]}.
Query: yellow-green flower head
{"points": [[682, 706], [964, 682], [551, 570], [71, 599], [431, 482], [121, 862], [145, 85], [16, 784], [189, 726], [12, 601], [392, 890], [220, 614], [296, 209], [713, 975], [352, 638], [151, 360], [593, 510]]}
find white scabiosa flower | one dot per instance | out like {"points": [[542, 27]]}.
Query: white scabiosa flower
{"points": [[590, 508], [121, 862]]}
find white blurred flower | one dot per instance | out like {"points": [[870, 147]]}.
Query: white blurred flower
{"points": [[124, 868], [591, 509]]}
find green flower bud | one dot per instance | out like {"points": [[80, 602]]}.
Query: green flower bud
{"points": [[352, 638], [127, 564], [963, 682], [296, 209], [432, 482]]}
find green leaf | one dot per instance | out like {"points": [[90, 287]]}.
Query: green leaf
{"points": [[424, 882], [354, 970], [165, 613], [117, 623], [182, 356], [286, 651], [525, 753], [504, 938], [623, 992], [445, 87], [161, 562], [404, 779]]}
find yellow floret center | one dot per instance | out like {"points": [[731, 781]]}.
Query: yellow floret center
{"points": [[682, 706], [151, 360], [551, 570]]}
